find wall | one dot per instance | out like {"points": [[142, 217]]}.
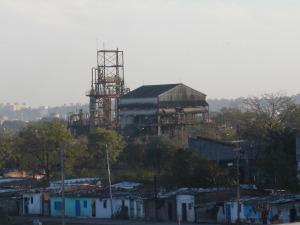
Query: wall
{"points": [[211, 149], [103, 208], [189, 202], [71, 208], [34, 203]]}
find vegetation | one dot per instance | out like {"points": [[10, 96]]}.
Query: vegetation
{"points": [[274, 118]]}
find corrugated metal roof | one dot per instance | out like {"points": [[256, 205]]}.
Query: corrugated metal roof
{"points": [[148, 91]]}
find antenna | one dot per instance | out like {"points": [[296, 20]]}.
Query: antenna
{"points": [[97, 45], [103, 46]]}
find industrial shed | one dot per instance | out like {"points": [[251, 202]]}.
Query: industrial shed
{"points": [[156, 109]]}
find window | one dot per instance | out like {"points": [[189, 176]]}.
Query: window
{"points": [[84, 204], [31, 200], [104, 204], [57, 205]]}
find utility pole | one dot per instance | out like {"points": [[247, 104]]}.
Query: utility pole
{"points": [[110, 193], [238, 157], [155, 198], [62, 155]]}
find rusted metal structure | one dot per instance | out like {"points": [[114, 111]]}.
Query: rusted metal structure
{"points": [[156, 109], [107, 87], [78, 122]]}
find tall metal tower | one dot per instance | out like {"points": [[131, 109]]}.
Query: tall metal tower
{"points": [[106, 89]]}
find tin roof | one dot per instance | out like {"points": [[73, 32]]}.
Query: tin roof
{"points": [[148, 91]]}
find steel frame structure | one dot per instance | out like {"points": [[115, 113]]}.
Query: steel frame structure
{"points": [[107, 87]]}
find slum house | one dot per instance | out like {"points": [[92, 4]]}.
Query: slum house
{"points": [[94, 201], [126, 203], [224, 154], [257, 210], [209, 200], [36, 202], [156, 109], [11, 190], [10, 202], [160, 206], [190, 204]]}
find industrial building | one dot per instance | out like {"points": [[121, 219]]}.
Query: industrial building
{"points": [[147, 110], [157, 109]]}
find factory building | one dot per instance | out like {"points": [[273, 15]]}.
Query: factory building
{"points": [[157, 109]]}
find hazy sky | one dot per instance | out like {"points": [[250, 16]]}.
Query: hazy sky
{"points": [[222, 48]]}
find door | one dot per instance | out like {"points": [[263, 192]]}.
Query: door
{"points": [[131, 209], [77, 207], [228, 213], [170, 211], [184, 212], [138, 209]]}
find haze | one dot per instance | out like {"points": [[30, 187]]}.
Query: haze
{"points": [[224, 49]]}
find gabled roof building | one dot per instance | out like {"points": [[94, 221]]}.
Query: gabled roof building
{"points": [[156, 109]]}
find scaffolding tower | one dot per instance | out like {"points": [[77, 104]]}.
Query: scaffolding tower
{"points": [[107, 87]]}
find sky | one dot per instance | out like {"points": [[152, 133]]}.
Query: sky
{"points": [[222, 48]]}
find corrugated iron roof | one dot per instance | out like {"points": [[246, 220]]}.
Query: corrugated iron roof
{"points": [[148, 91]]}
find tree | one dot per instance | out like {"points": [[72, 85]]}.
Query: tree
{"points": [[269, 111], [158, 152], [40, 147], [134, 154], [8, 154], [98, 141], [187, 169], [227, 122], [279, 165]]}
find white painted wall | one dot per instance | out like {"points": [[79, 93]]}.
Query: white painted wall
{"points": [[189, 200], [103, 208], [34, 203], [102, 212]]}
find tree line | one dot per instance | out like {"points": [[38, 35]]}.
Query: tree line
{"points": [[274, 118]]}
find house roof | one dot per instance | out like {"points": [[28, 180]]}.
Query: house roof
{"points": [[126, 185], [148, 91]]}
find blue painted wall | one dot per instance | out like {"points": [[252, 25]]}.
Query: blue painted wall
{"points": [[75, 207]]}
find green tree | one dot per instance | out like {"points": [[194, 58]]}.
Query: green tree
{"points": [[134, 154], [9, 157], [158, 152], [279, 166], [40, 147], [187, 169], [98, 141], [76, 157]]}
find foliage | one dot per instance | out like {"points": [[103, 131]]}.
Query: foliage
{"points": [[158, 152], [40, 147], [98, 141], [279, 165], [8, 154], [270, 111], [134, 153], [230, 123], [189, 170]]}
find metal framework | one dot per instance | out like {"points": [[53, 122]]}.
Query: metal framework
{"points": [[107, 87]]}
